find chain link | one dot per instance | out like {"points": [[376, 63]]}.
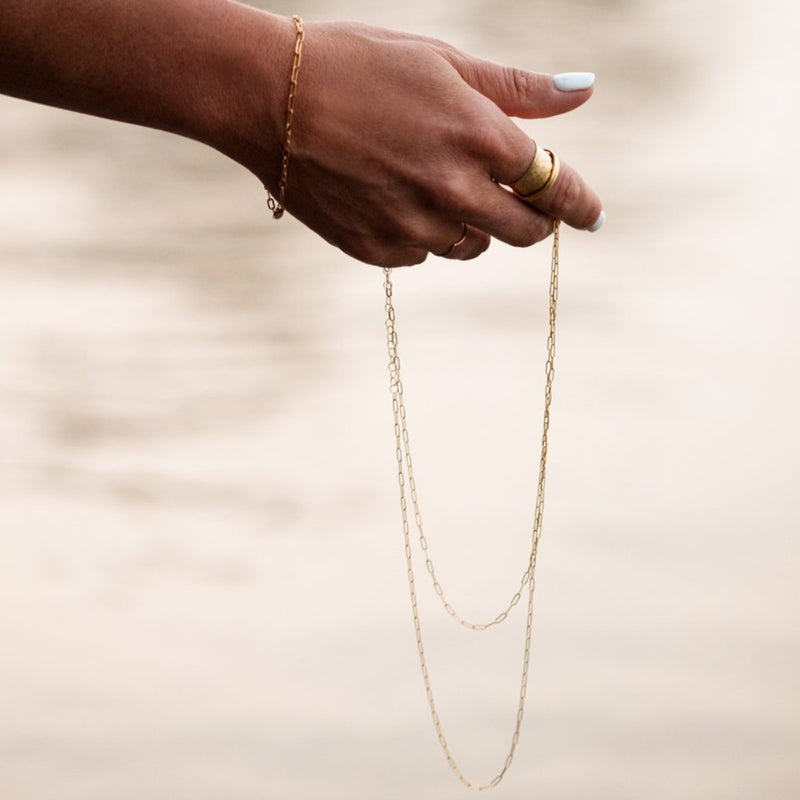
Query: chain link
{"points": [[408, 488], [278, 205]]}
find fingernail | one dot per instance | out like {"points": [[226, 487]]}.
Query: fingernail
{"points": [[598, 223], [573, 81]]}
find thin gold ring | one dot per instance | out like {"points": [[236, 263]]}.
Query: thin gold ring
{"points": [[458, 243], [539, 176]]}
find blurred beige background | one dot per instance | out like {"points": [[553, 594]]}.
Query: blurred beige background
{"points": [[202, 594]]}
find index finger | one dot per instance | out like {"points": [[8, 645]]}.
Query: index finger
{"points": [[570, 198]]}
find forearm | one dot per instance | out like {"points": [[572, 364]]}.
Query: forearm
{"points": [[400, 145], [193, 67]]}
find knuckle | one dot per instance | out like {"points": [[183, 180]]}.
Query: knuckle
{"points": [[383, 256], [380, 253], [369, 251], [415, 257], [489, 143], [519, 81], [410, 230], [441, 46], [408, 257], [398, 256], [450, 192]]}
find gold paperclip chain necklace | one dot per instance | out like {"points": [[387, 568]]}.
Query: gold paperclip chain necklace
{"points": [[407, 484]]}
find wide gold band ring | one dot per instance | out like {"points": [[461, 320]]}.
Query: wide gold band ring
{"points": [[538, 178]]}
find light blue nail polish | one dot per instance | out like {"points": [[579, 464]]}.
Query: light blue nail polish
{"points": [[573, 81], [598, 223]]}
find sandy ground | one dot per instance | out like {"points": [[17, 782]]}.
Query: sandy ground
{"points": [[202, 592]]}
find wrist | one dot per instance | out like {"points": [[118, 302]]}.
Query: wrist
{"points": [[245, 108]]}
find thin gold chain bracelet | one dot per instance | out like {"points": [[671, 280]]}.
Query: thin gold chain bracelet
{"points": [[278, 206]]}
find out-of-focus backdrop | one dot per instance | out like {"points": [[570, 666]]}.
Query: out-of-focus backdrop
{"points": [[202, 594]]}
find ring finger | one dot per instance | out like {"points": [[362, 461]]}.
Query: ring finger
{"points": [[470, 243]]}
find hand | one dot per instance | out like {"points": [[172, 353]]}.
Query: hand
{"points": [[399, 142]]}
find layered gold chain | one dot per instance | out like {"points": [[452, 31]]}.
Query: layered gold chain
{"points": [[407, 484]]}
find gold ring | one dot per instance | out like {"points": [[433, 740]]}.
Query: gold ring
{"points": [[539, 176], [458, 243]]}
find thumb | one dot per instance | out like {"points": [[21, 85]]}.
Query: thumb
{"points": [[520, 93]]}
